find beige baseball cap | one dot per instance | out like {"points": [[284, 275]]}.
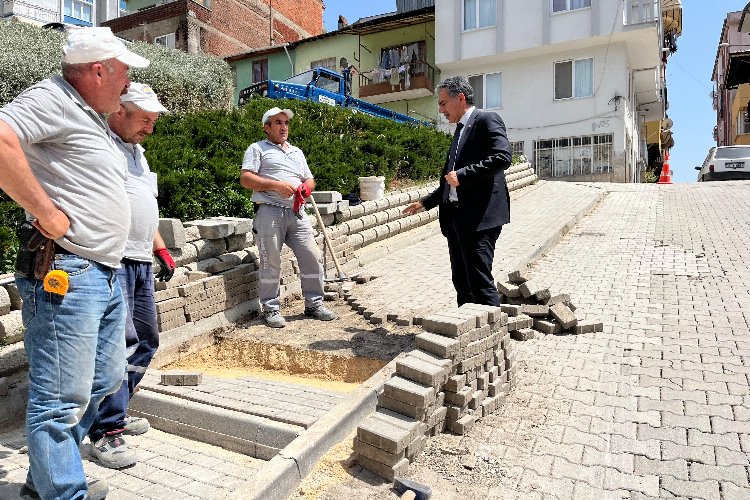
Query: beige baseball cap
{"points": [[275, 111], [144, 97], [88, 45]]}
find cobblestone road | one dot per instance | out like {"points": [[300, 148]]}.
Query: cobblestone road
{"points": [[417, 279], [657, 405]]}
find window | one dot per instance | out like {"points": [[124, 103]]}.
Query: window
{"points": [[563, 5], [591, 154], [743, 123], [327, 63], [574, 78], [479, 14], [516, 148], [488, 90], [260, 70], [123, 8], [167, 40], [329, 83], [78, 12]]}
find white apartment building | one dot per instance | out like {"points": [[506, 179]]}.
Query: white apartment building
{"points": [[577, 82], [71, 12]]}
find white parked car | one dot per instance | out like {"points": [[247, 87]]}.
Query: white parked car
{"points": [[725, 163]]}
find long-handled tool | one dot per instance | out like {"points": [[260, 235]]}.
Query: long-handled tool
{"points": [[342, 276]]}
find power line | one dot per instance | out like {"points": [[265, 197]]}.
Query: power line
{"points": [[691, 75]]}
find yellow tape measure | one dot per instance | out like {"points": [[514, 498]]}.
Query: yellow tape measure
{"points": [[56, 281]]}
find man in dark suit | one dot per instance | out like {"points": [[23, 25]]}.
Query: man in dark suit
{"points": [[473, 196]]}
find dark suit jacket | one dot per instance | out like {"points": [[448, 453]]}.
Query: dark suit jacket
{"points": [[482, 158]]}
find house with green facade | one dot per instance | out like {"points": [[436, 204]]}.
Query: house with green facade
{"points": [[393, 56]]}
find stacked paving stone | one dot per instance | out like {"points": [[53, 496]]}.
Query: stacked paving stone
{"points": [[217, 269], [11, 326], [520, 175], [463, 369], [533, 310]]}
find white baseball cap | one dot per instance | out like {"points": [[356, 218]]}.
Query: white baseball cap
{"points": [[275, 111], [88, 45], [144, 97]]}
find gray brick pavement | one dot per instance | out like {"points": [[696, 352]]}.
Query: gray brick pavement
{"points": [[655, 406], [169, 467]]}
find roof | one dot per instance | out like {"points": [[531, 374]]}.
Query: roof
{"points": [[364, 26]]}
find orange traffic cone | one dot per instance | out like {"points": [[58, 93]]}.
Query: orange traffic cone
{"points": [[666, 174]]}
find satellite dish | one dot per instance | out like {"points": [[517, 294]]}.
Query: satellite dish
{"points": [[667, 123]]}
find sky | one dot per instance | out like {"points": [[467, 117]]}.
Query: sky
{"points": [[688, 72]]}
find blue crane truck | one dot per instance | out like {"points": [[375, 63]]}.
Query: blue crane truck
{"points": [[324, 86]]}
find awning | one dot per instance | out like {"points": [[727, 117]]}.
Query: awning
{"points": [[738, 69]]}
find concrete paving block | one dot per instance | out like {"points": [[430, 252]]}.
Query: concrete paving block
{"points": [[11, 328], [431, 358], [240, 224], [519, 276], [589, 327], [560, 297], [4, 301], [212, 229], [421, 372], [455, 383], [172, 232], [219, 267], [535, 310], [383, 435], [438, 345], [181, 377], [481, 316], [324, 208], [460, 398], [529, 288], [409, 392], [563, 315], [239, 241], [186, 254], [511, 309], [170, 305], [494, 313], [326, 196], [462, 425], [376, 454], [548, 326], [15, 297], [508, 289], [208, 248], [388, 403], [164, 295], [448, 326], [387, 473], [523, 334], [543, 295]]}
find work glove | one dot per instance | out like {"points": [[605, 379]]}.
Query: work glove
{"points": [[303, 191], [166, 263]]}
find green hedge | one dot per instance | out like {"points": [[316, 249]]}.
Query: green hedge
{"points": [[198, 156], [184, 82]]}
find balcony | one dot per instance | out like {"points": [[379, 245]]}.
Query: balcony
{"points": [[414, 80], [30, 10]]}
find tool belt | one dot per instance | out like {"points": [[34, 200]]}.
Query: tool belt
{"points": [[35, 252]]}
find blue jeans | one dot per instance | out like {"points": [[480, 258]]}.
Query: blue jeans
{"points": [[141, 341], [76, 351]]}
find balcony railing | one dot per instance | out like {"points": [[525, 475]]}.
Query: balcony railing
{"points": [[416, 76], [29, 10], [641, 11]]}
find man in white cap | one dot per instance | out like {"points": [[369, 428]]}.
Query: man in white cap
{"points": [[278, 174], [59, 163], [129, 126]]}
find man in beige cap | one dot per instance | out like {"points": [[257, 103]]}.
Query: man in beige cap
{"points": [[59, 163], [130, 125], [278, 174]]}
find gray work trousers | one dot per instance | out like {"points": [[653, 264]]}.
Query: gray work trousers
{"points": [[273, 226]]}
